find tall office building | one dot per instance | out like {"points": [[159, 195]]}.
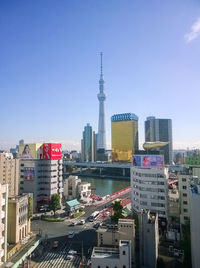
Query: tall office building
{"points": [[101, 140], [9, 172], [160, 130], [124, 136], [88, 144]]}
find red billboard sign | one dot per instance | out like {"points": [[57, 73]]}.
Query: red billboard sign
{"points": [[52, 151]]}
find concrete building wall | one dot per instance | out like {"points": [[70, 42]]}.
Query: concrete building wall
{"points": [[3, 222], [71, 187], [9, 172], [149, 190], [195, 227], [149, 239], [18, 218]]}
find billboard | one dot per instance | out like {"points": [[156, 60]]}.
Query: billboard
{"points": [[52, 151], [29, 174], [30, 151], [148, 161]]}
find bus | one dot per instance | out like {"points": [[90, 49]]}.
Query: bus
{"points": [[93, 215]]}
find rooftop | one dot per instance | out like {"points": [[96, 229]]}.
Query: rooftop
{"points": [[101, 252], [72, 203], [124, 117]]}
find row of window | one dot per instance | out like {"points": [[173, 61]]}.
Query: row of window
{"points": [[148, 175], [149, 182]]}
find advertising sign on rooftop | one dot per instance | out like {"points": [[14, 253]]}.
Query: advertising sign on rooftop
{"points": [[52, 151], [30, 151], [148, 161]]}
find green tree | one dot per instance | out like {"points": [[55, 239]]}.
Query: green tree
{"points": [[54, 203], [117, 208], [30, 206]]}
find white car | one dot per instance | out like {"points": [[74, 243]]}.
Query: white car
{"points": [[82, 222], [72, 252], [69, 257], [74, 223], [71, 234]]}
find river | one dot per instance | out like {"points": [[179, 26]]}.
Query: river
{"points": [[106, 186]]}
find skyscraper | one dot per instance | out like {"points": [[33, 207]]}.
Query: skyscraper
{"points": [[124, 136], [88, 144], [160, 130], [101, 139]]}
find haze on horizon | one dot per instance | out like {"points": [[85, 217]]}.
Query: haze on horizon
{"points": [[50, 67]]}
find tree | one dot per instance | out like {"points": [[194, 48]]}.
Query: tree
{"points": [[117, 208], [54, 203]]}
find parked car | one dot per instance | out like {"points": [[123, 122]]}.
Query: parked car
{"points": [[71, 234]]}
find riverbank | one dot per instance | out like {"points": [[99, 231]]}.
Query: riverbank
{"points": [[85, 174]]}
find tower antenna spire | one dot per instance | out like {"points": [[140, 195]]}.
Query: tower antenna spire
{"points": [[101, 63]]}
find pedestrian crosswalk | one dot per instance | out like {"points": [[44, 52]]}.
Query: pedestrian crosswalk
{"points": [[58, 258]]}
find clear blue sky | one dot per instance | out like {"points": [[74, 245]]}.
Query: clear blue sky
{"points": [[49, 67]]}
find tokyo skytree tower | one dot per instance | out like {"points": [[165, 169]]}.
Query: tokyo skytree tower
{"points": [[101, 138]]}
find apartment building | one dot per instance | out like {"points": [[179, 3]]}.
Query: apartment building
{"points": [[104, 257], [186, 178], [19, 213], [9, 172], [70, 190], [3, 222], [42, 178], [149, 189]]}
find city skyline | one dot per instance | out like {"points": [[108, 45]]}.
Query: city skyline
{"points": [[50, 64]]}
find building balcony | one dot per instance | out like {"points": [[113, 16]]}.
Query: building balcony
{"points": [[3, 214]]}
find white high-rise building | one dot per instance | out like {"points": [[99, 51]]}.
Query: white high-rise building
{"points": [[101, 139], [149, 189]]}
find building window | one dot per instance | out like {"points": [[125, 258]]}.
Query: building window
{"points": [[184, 194], [185, 210], [124, 252], [183, 179], [124, 266], [98, 266], [185, 202], [184, 187]]}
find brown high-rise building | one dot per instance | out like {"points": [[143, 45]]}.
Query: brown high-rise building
{"points": [[9, 172]]}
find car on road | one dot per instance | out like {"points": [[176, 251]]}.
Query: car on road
{"points": [[96, 225], [72, 252], [82, 222], [55, 244], [71, 234], [74, 223], [69, 257]]}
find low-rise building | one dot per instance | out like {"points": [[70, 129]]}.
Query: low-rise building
{"points": [[173, 205], [19, 213], [149, 239], [72, 206], [71, 187], [112, 234], [104, 257], [84, 190], [3, 222]]}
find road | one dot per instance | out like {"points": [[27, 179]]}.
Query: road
{"points": [[45, 256]]}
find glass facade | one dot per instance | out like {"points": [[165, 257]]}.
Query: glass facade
{"points": [[124, 137]]}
